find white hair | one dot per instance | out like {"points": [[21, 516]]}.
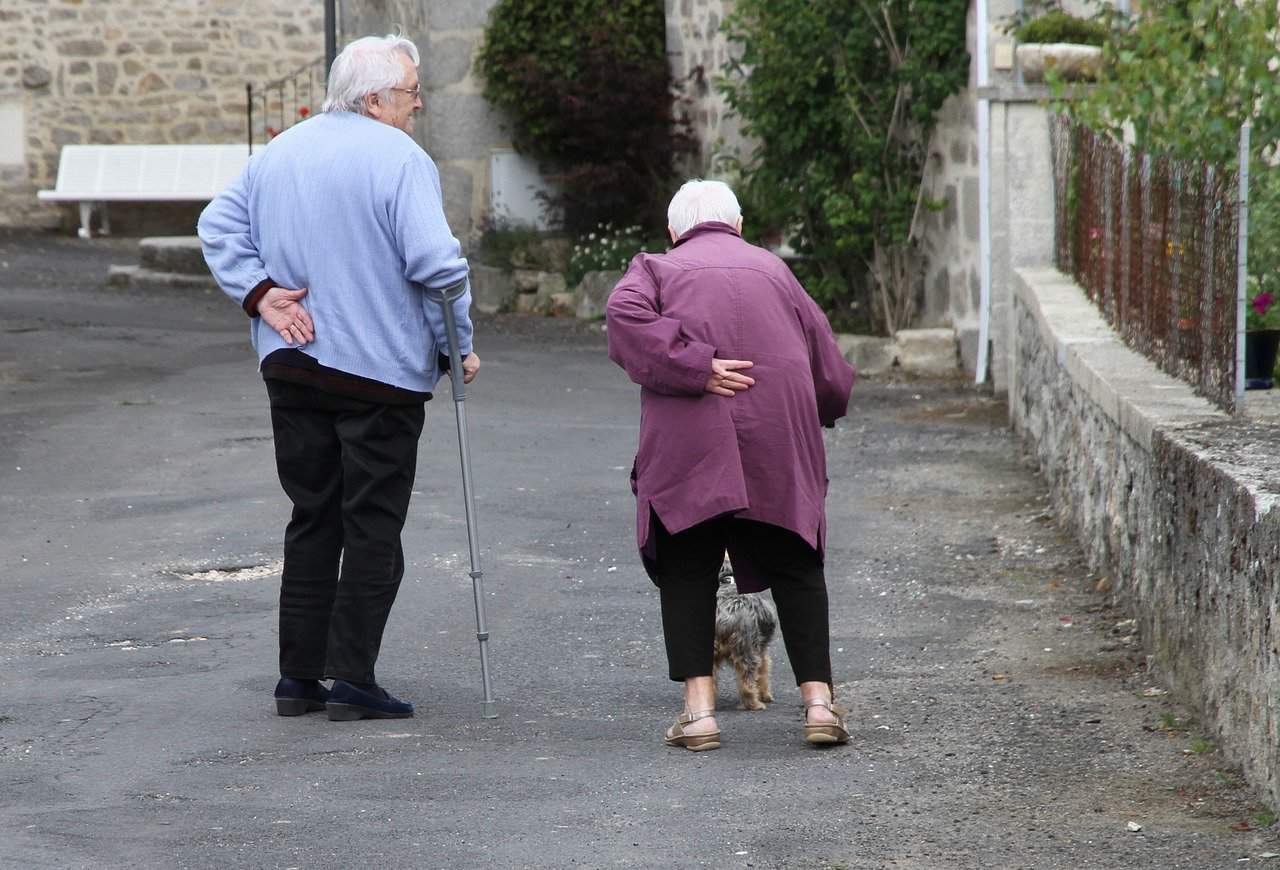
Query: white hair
{"points": [[699, 201], [368, 65]]}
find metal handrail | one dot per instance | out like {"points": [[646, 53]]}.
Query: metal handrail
{"points": [[290, 90]]}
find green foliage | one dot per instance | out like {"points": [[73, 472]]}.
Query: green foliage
{"points": [[1186, 75], [1183, 77], [499, 245], [1058, 26], [588, 90], [609, 248], [841, 96]]}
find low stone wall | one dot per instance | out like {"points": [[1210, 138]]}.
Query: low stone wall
{"points": [[1172, 499]]}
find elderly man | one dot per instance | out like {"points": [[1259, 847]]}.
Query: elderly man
{"points": [[328, 241], [739, 371]]}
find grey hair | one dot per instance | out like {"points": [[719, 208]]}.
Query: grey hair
{"points": [[366, 66], [699, 201]]}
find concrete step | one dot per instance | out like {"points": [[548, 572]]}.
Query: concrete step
{"points": [[138, 278], [180, 255], [919, 351]]}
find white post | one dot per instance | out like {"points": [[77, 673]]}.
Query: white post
{"points": [[984, 200], [1242, 263]]}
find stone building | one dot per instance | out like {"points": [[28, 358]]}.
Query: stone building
{"points": [[134, 72]]}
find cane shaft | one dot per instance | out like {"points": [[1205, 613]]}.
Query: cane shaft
{"points": [[446, 299]]}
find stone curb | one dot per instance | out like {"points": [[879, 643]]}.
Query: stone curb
{"points": [[1171, 498]]}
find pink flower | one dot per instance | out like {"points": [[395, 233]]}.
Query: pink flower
{"points": [[1261, 303], [1095, 233]]}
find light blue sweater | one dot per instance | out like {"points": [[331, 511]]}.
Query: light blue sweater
{"points": [[349, 208]]}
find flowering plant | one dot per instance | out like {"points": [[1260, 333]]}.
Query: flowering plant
{"points": [[608, 249], [1263, 310]]}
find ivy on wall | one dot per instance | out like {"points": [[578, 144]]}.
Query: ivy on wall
{"points": [[841, 96], [589, 94]]}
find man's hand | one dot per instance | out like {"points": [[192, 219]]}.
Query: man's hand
{"points": [[281, 310], [470, 365], [725, 377]]}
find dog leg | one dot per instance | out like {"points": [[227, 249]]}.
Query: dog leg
{"points": [[762, 680], [747, 686]]}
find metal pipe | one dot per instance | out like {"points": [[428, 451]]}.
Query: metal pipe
{"points": [[984, 201], [330, 35], [1242, 263]]}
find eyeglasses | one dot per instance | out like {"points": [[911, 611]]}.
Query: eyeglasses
{"points": [[413, 92]]}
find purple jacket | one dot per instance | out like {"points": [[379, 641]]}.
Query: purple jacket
{"points": [[758, 455]]}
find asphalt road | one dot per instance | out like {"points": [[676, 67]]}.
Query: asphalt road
{"points": [[1002, 714]]}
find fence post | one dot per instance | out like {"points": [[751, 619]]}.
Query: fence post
{"points": [[1242, 263]]}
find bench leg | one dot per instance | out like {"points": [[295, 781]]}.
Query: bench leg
{"points": [[86, 215], [106, 218]]}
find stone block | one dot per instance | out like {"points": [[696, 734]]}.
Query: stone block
{"points": [[526, 280], [869, 354], [460, 126], [458, 186], [446, 62], [561, 305], [178, 254], [549, 284], [927, 351], [460, 14], [968, 341], [593, 293], [526, 303], [35, 77], [491, 288]]}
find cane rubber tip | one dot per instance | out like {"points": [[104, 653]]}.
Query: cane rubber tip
{"points": [[490, 710]]}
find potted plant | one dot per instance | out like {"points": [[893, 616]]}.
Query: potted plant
{"points": [[1050, 38], [1261, 337]]}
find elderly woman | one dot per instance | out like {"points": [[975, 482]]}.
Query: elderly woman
{"points": [[738, 371]]}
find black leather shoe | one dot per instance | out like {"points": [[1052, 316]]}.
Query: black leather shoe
{"points": [[295, 697], [348, 703]]}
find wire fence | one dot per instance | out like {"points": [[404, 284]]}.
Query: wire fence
{"points": [[1152, 241], [276, 106]]}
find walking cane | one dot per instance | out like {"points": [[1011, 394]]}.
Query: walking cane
{"points": [[445, 298]]}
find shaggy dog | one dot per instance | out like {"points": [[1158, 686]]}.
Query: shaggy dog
{"points": [[745, 624]]}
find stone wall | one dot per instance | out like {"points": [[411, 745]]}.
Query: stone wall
{"points": [[457, 128], [134, 72], [698, 52], [1172, 500]]}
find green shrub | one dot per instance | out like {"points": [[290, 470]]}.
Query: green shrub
{"points": [[588, 90], [1058, 26], [1183, 76], [841, 97], [609, 248]]}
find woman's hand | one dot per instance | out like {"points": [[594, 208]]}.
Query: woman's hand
{"points": [[726, 379]]}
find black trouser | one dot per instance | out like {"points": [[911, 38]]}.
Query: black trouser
{"points": [[348, 467], [688, 576]]}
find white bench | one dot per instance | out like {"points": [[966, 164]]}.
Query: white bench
{"points": [[94, 175]]}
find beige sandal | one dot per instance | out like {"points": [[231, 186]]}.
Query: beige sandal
{"points": [[826, 732], [693, 742]]}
